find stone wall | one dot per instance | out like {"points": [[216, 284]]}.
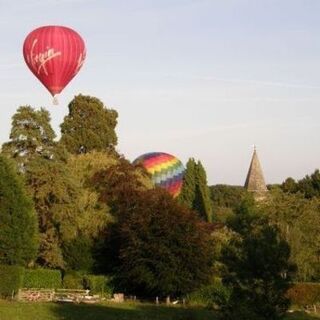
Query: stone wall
{"points": [[43, 295]]}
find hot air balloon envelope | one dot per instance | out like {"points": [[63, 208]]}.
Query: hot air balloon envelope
{"points": [[165, 169], [54, 54]]}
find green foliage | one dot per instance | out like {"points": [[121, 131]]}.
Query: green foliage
{"points": [[309, 186], [11, 279], [161, 247], [77, 254], [210, 296], [225, 200], [257, 268], [304, 294], [98, 284], [18, 224], [299, 222], [88, 126], [42, 278], [31, 136], [73, 280], [195, 193], [55, 193]]}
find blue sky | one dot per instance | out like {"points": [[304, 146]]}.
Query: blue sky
{"points": [[196, 78]]}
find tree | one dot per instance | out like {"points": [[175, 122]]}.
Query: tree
{"points": [[257, 268], [309, 186], [195, 193], [88, 126], [155, 246], [55, 193], [289, 185], [18, 222], [163, 248], [202, 202], [225, 200], [31, 136], [298, 220], [187, 194]]}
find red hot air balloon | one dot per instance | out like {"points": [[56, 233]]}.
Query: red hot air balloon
{"points": [[54, 54]]}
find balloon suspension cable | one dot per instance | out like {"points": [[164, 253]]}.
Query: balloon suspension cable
{"points": [[55, 100]]}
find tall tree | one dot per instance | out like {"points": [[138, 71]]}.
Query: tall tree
{"points": [[195, 192], [202, 202], [118, 186], [31, 136], [257, 268], [155, 245], [299, 222], [18, 222], [163, 248], [188, 190], [88, 126]]}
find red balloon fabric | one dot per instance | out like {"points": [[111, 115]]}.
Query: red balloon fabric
{"points": [[54, 54]]}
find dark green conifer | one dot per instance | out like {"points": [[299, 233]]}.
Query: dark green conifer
{"points": [[89, 126], [18, 222]]}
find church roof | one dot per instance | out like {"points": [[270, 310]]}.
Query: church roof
{"points": [[255, 180]]}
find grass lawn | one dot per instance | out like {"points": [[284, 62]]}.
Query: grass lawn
{"points": [[52, 311]]}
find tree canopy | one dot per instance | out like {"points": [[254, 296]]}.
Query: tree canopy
{"points": [[18, 222], [88, 126], [257, 268], [195, 193]]}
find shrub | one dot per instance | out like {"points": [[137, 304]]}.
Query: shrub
{"points": [[73, 280], [210, 296], [42, 278], [98, 285], [304, 294], [11, 279]]}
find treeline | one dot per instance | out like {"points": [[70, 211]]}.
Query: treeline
{"points": [[293, 206], [75, 204], [78, 206]]}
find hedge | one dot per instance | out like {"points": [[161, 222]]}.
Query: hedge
{"points": [[304, 294], [73, 280], [210, 296], [42, 278], [11, 279], [98, 284]]}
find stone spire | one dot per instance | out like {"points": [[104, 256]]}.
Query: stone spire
{"points": [[255, 181]]}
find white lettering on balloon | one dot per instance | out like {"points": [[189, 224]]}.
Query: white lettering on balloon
{"points": [[80, 62], [38, 61]]}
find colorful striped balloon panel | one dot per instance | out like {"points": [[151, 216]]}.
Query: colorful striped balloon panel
{"points": [[165, 169]]}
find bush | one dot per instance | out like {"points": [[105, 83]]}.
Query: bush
{"points": [[73, 280], [42, 278], [11, 279], [98, 285], [304, 294], [210, 296]]}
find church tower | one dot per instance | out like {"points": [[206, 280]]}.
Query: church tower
{"points": [[255, 182]]}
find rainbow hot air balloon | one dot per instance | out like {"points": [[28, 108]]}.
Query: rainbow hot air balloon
{"points": [[54, 54], [165, 169]]}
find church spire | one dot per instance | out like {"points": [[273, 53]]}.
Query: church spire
{"points": [[255, 182]]}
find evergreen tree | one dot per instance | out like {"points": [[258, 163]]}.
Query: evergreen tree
{"points": [[195, 193], [187, 194], [202, 202], [18, 222], [31, 136], [257, 268], [88, 126]]}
